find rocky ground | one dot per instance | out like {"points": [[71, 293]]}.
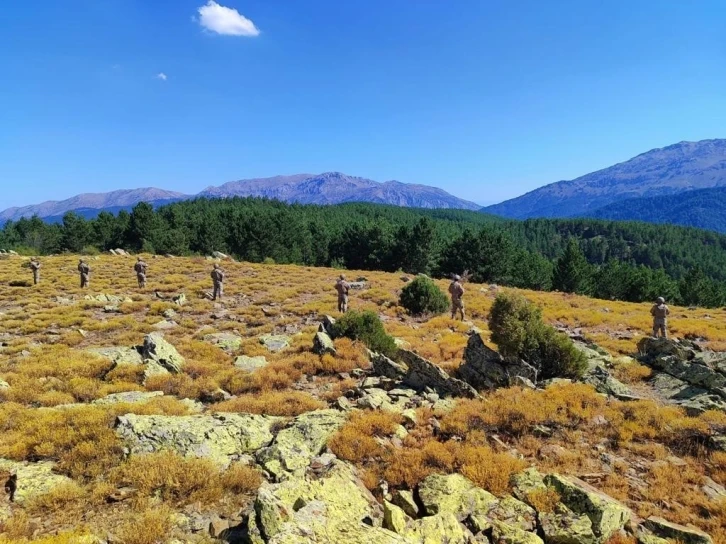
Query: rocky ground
{"points": [[135, 416]]}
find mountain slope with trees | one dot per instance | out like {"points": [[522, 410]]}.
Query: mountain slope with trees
{"points": [[610, 260]]}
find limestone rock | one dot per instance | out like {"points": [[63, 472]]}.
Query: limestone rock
{"points": [[221, 438], [485, 368], [606, 514], [323, 344], [250, 364], [295, 446], [686, 535], [161, 352], [33, 479], [131, 397], [422, 373], [225, 340], [275, 342]]}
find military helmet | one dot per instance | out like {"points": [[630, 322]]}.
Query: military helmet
{"points": [[660, 300]]}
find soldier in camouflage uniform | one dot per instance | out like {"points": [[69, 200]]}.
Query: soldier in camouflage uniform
{"points": [[35, 267], [342, 287], [457, 291], [660, 312], [85, 272], [140, 269], [218, 282]]}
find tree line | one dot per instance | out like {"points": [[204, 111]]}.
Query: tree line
{"points": [[610, 260]]}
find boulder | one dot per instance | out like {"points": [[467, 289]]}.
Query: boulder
{"points": [[295, 446], [275, 342], [506, 534], [332, 508], [383, 366], [227, 341], [219, 255], [169, 313], [394, 518], [222, 438], [422, 374], [322, 344], [161, 352], [606, 514], [119, 356], [327, 324], [357, 285], [250, 364], [598, 376], [33, 479], [438, 529], [484, 368], [4, 385], [406, 502], [563, 526], [130, 397], [454, 494], [686, 535], [108, 299], [180, 300]]}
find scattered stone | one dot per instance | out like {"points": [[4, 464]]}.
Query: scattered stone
{"points": [[161, 352], [4, 384], [109, 299], [221, 438], [357, 285], [111, 309], [422, 373], [686, 535], [327, 324], [275, 342], [250, 364], [563, 526], [219, 255], [169, 313], [714, 491], [164, 325], [227, 341], [131, 397], [295, 446], [485, 368], [506, 534], [323, 344], [409, 417], [33, 479], [180, 300], [383, 366]]}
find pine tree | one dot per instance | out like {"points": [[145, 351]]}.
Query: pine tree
{"points": [[572, 273]]}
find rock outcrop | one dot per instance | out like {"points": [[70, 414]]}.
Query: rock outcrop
{"points": [[421, 374], [322, 344], [222, 438], [484, 368], [250, 364], [32, 479], [158, 351]]}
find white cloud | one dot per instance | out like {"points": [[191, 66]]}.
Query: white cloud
{"points": [[162, 76], [226, 21]]}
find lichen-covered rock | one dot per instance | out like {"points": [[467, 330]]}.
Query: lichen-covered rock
{"points": [[406, 502], [322, 344], [514, 513], [33, 479], [484, 368], [383, 366], [331, 509], [119, 356], [4, 384], [527, 481], [606, 514], [394, 518], [681, 533], [453, 494], [295, 446], [444, 527], [604, 383], [275, 342], [563, 526], [506, 534], [250, 364], [131, 397], [225, 340], [422, 373], [222, 438], [161, 352], [112, 299]]}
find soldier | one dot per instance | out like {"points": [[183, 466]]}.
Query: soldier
{"points": [[140, 269], [85, 272], [218, 281], [35, 267], [660, 312], [342, 287], [456, 291]]}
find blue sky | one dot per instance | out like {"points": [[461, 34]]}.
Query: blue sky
{"points": [[484, 99]]}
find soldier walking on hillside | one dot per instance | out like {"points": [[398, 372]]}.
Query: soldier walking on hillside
{"points": [[660, 312], [456, 290], [140, 269], [35, 267], [85, 272], [342, 287], [218, 281]]}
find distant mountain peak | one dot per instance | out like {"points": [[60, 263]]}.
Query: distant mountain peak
{"points": [[673, 169]]}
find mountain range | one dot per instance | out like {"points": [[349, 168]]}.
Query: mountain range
{"points": [[327, 188], [671, 170]]}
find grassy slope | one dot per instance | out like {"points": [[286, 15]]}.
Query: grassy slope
{"points": [[264, 299]]}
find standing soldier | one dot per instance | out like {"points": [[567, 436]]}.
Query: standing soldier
{"points": [[456, 291], [85, 272], [218, 281], [140, 269], [660, 312], [35, 267], [342, 287]]}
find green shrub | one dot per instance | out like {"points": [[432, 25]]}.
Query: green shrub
{"points": [[518, 331], [423, 296], [367, 327]]}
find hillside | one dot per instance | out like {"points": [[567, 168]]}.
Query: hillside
{"points": [[666, 171], [702, 208], [327, 188], [170, 441]]}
